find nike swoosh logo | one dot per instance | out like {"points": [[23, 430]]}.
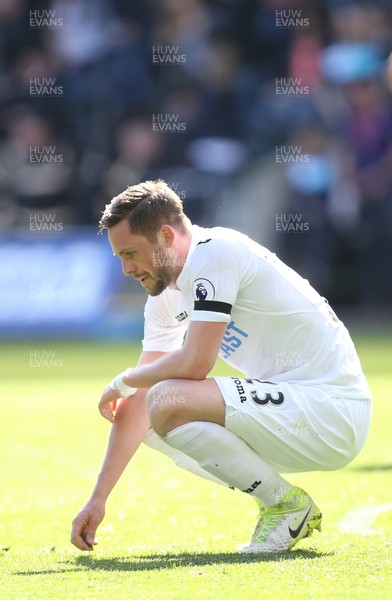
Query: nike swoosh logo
{"points": [[295, 532]]}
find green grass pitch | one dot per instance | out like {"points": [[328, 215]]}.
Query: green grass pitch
{"points": [[167, 534]]}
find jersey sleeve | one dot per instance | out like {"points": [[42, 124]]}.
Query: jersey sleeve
{"points": [[219, 270], [162, 332]]}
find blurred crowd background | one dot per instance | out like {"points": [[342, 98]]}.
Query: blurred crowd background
{"points": [[271, 124]]}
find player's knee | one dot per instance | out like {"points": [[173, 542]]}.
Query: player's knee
{"points": [[163, 406]]}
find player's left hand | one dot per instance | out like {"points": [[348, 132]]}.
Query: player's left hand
{"points": [[108, 403]]}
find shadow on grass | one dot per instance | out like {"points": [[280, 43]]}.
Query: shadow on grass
{"points": [[369, 468], [157, 562]]}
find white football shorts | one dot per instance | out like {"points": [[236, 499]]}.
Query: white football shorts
{"points": [[295, 427]]}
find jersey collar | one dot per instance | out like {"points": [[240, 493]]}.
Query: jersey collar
{"points": [[198, 233]]}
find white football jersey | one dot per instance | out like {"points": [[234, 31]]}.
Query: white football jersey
{"points": [[278, 327]]}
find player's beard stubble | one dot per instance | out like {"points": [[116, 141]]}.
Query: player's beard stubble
{"points": [[161, 278]]}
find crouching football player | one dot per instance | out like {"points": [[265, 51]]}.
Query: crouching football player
{"points": [[303, 403]]}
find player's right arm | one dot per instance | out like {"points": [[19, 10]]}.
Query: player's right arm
{"points": [[162, 334], [127, 432]]}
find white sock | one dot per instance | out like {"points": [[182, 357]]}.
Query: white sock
{"points": [[222, 453], [156, 442]]}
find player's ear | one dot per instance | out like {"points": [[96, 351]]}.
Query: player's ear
{"points": [[166, 234]]}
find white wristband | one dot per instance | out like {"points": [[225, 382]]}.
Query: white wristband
{"points": [[120, 386]]}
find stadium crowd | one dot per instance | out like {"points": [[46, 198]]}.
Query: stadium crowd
{"points": [[96, 95]]}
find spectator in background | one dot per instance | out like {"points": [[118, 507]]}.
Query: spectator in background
{"points": [[311, 173], [105, 72], [138, 150], [105, 76], [225, 94], [367, 132], [37, 167], [37, 82], [363, 124]]}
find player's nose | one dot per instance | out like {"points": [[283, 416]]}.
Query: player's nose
{"points": [[128, 267]]}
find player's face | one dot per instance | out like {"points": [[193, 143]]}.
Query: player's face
{"points": [[144, 260]]}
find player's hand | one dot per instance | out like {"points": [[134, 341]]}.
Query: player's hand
{"points": [[107, 404], [85, 525]]}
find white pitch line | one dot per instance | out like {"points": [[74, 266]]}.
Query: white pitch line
{"points": [[360, 521]]}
